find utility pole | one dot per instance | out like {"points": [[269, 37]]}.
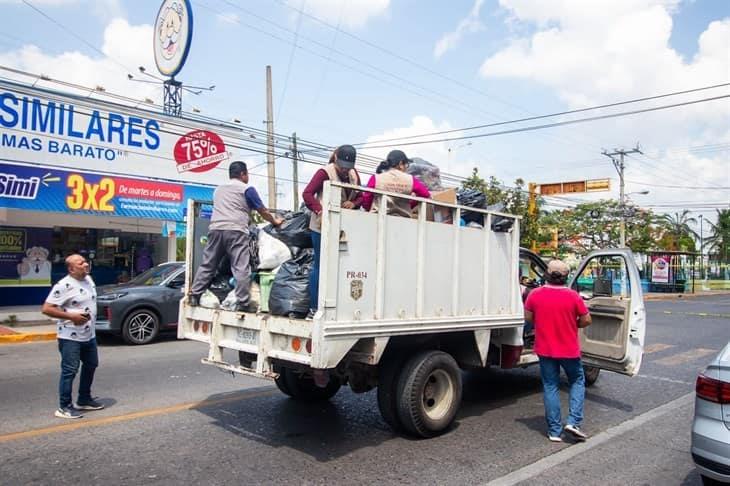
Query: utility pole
{"points": [[702, 252], [532, 207], [619, 165], [270, 161], [295, 170]]}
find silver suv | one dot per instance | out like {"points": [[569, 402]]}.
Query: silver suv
{"points": [[711, 425]]}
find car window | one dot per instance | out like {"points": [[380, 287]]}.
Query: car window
{"points": [[531, 270], [155, 275], [177, 281], [604, 276]]}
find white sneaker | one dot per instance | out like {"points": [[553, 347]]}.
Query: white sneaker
{"points": [[576, 432], [553, 438]]}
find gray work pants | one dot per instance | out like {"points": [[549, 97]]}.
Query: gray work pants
{"points": [[236, 244]]}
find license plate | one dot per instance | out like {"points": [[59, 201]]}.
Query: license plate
{"points": [[247, 336]]}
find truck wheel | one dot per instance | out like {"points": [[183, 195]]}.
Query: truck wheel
{"points": [[591, 374], [388, 392], [140, 327], [301, 387], [429, 393]]}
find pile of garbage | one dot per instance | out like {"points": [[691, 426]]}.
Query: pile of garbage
{"points": [[427, 173]]}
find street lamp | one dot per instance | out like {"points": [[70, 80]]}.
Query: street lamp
{"points": [[622, 224]]}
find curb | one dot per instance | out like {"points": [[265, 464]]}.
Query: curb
{"points": [[27, 337], [672, 296]]}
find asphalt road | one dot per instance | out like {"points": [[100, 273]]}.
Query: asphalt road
{"points": [[171, 420]]}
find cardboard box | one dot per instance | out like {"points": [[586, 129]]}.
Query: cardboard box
{"points": [[442, 214]]}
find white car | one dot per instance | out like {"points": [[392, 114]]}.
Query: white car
{"points": [[711, 425]]}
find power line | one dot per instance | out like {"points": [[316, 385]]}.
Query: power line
{"points": [[289, 64], [550, 115], [714, 188], [558, 124]]}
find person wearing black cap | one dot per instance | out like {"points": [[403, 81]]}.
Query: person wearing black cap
{"points": [[228, 234], [341, 167], [391, 176]]}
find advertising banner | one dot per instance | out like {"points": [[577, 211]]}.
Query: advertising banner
{"points": [[660, 269], [77, 192], [48, 128], [24, 256]]}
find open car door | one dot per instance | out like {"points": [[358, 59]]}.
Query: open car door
{"points": [[609, 283]]}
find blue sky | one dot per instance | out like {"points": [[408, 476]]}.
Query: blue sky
{"points": [[509, 59]]}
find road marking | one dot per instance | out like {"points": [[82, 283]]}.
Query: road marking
{"points": [[668, 380], [698, 314], [539, 467], [85, 423], [655, 348], [686, 357]]}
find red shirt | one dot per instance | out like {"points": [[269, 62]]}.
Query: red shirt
{"points": [[555, 314]]}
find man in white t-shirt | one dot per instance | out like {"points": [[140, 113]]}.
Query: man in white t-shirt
{"points": [[72, 302]]}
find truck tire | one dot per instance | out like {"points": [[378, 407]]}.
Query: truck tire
{"points": [[429, 393], [301, 387], [591, 373], [141, 326], [388, 373]]}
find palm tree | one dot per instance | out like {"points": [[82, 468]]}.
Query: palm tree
{"points": [[677, 228], [719, 239]]}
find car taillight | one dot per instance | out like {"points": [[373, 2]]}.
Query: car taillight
{"points": [[108, 312], [712, 390]]}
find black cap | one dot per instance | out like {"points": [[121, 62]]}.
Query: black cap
{"points": [[345, 156], [395, 157]]}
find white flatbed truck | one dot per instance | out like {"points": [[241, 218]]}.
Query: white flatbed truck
{"points": [[404, 306]]}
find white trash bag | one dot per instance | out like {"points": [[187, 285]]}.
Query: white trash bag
{"points": [[209, 300], [272, 252]]}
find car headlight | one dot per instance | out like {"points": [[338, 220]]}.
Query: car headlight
{"points": [[110, 297]]}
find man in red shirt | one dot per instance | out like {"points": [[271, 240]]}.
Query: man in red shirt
{"points": [[557, 312]]}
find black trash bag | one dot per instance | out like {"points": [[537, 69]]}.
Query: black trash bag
{"points": [[253, 251], [294, 231], [500, 224], [427, 173], [290, 291], [474, 199]]}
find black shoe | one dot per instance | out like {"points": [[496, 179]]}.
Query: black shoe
{"points": [[194, 300], [253, 309], [89, 405], [68, 413]]}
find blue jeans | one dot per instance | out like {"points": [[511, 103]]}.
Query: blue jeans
{"points": [[73, 352], [550, 373], [314, 273]]}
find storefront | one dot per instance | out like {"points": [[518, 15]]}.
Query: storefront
{"points": [[92, 177]]}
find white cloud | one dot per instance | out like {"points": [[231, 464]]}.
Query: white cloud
{"points": [[125, 44], [450, 157], [468, 25], [606, 50], [352, 14]]}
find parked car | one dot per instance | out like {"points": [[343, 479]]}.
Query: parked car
{"points": [[140, 309], [711, 425]]}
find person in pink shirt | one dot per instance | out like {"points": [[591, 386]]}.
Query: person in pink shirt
{"points": [[557, 313], [392, 177]]}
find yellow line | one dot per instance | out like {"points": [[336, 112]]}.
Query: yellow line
{"points": [[656, 347], [84, 423], [28, 337]]}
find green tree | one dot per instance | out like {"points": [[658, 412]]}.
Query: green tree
{"points": [[719, 240], [595, 225], [677, 235]]}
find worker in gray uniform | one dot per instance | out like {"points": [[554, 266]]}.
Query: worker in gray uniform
{"points": [[228, 234]]}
